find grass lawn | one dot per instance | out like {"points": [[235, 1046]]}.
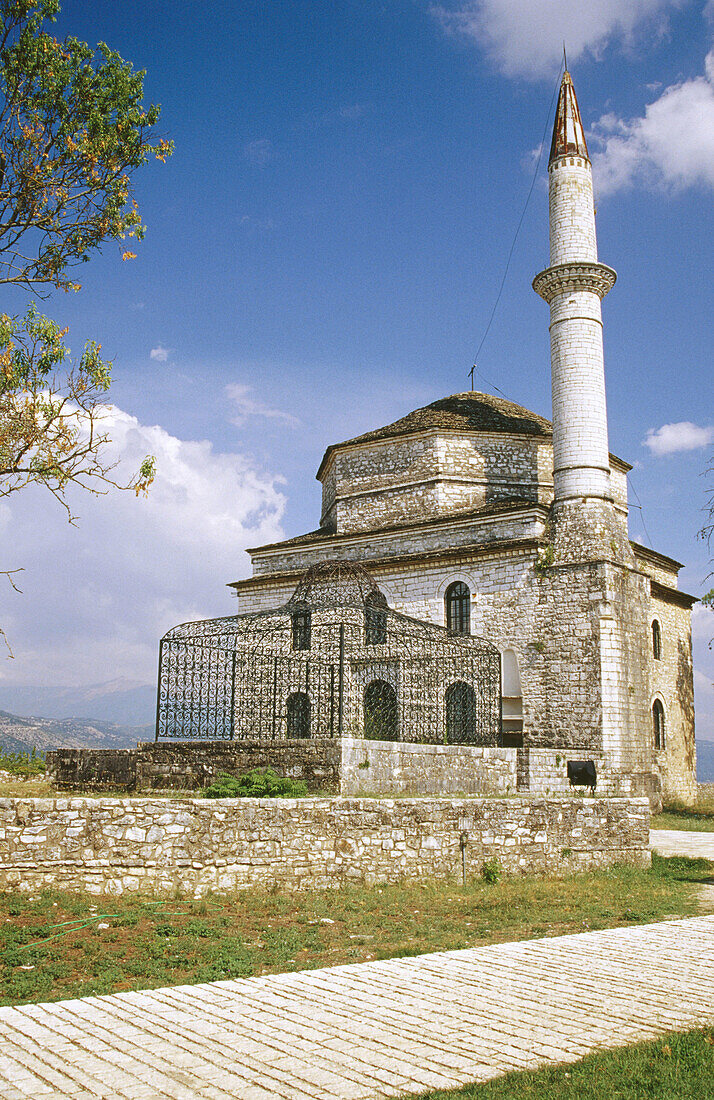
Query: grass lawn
{"points": [[39, 787], [699, 818], [60, 945], [679, 1066]]}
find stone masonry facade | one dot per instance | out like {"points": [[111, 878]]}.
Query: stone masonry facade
{"points": [[582, 636], [110, 846]]}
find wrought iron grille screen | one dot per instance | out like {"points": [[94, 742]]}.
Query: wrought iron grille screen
{"points": [[243, 677]]}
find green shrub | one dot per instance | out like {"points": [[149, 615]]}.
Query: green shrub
{"points": [[258, 783], [491, 870], [25, 764]]}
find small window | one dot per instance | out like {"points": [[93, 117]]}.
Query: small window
{"points": [[298, 714], [458, 608], [656, 640], [460, 713], [381, 718], [658, 724], [301, 620], [375, 619]]}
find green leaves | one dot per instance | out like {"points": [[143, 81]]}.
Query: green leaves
{"points": [[72, 132], [51, 419], [258, 783]]}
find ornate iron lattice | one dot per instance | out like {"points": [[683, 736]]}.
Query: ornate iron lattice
{"points": [[333, 661]]}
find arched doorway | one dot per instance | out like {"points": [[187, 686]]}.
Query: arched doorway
{"points": [[381, 717], [460, 713]]}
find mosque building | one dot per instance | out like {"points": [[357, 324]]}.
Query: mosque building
{"points": [[479, 517]]}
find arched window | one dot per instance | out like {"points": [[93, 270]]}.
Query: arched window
{"points": [[298, 714], [375, 619], [301, 621], [458, 608], [460, 713], [511, 701], [658, 724], [381, 718], [656, 640]]}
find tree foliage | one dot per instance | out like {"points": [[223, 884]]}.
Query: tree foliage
{"points": [[51, 411], [72, 132]]}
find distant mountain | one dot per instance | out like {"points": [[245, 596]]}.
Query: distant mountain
{"points": [[705, 761], [122, 702], [22, 734]]}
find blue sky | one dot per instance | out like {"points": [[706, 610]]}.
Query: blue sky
{"points": [[323, 253]]}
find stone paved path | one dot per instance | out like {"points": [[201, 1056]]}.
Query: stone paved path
{"points": [[678, 842], [369, 1030]]}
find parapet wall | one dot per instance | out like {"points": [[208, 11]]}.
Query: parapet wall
{"points": [[350, 766], [115, 846], [182, 765], [399, 767]]}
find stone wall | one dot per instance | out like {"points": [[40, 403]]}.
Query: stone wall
{"points": [[190, 766], [380, 483], [397, 768], [515, 521], [544, 774], [377, 484], [672, 682], [114, 846], [351, 767], [355, 767]]}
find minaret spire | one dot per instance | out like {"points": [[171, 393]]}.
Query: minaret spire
{"points": [[568, 132], [585, 524]]}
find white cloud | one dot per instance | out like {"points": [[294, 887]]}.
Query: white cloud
{"points": [[683, 436], [353, 111], [258, 153], [159, 353], [672, 145], [97, 596], [702, 623], [247, 406], [260, 225], [524, 37]]}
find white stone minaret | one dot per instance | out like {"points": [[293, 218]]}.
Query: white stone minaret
{"points": [[585, 525]]}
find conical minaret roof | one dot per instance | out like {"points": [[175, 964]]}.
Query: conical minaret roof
{"points": [[568, 133]]}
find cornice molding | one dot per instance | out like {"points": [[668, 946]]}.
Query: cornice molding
{"points": [[598, 278]]}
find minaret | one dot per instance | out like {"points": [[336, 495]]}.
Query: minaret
{"points": [[585, 525]]}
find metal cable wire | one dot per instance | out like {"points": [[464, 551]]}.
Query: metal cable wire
{"points": [[515, 238]]}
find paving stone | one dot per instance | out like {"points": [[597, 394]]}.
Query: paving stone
{"points": [[367, 1031], [681, 842]]}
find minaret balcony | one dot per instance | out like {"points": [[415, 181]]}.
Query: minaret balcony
{"points": [[565, 278]]}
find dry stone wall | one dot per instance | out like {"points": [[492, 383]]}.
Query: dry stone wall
{"points": [[116, 846]]}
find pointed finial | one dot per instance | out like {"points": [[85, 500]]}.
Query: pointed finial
{"points": [[565, 58], [568, 131]]}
